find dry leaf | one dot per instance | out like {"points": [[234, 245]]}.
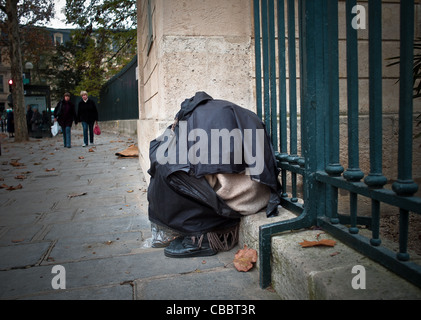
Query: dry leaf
{"points": [[11, 188], [52, 169], [323, 242], [244, 259], [131, 151], [15, 163], [4, 186], [20, 177], [130, 191], [91, 150], [81, 157], [73, 195]]}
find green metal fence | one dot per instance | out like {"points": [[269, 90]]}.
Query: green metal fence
{"points": [[318, 162], [119, 96]]}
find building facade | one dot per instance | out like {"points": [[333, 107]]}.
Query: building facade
{"points": [[188, 46]]}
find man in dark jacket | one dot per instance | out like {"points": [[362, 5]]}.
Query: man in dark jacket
{"points": [[188, 175], [87, 113], [65, 114]]}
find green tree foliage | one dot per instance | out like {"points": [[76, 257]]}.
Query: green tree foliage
{"points": [[104, 42]]}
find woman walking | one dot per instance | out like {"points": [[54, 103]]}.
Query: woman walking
{"points": [[65, 114], [87, 113]]}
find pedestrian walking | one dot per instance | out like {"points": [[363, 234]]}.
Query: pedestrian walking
{"points": [[36, 122], [29, 114], [10, 123], [87, 113], [65, 114]]}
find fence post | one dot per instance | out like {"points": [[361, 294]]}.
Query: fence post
{"points": [[314, 101]]}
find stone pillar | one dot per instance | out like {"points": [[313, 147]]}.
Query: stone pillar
{"points": [[189, 46]]}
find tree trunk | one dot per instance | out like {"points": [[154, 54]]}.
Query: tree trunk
{"points": [[21, 130]]}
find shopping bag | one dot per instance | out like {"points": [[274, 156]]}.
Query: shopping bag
{"points": [[54, 129], [97, 130]]}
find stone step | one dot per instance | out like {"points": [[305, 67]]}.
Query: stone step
{"points": [[323, 273]]}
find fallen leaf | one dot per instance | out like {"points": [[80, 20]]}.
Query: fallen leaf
{"points": [[52, 169], [130, 191], [11, 188], [91, 150], [334, 254], [323, 242], [18, 240], [74, 195], [15, 163], [244, 259], [20, 177], [131, 151], [81, 157], [4, 186]]}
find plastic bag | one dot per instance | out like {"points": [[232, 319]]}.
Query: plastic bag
{"points": [[54, 129], [97, 130], [161, 236]]}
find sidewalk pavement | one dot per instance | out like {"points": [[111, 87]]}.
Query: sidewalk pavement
{"points": [[85, 209]]}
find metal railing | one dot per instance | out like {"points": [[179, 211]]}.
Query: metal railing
{"points": [[316, 120]]}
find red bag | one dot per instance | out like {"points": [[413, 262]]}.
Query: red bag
{"points": [[97, 130]]}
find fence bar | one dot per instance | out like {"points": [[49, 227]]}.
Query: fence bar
{"points": [[375, 223], [283, 139], [272, 74], [405, 186], [333, 168], [282, 79], [258, 59], [353, 173], [266, 64], [375, 178], [292, 68], [403, 235]]}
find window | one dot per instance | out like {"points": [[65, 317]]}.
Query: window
{"points": [[58, 38]]}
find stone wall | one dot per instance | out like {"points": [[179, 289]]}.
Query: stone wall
{"points": [[197, 46]]}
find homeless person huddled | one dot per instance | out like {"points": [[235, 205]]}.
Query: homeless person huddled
{"points": [[214, 165]]}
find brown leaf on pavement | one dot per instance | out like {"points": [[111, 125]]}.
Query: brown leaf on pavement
{"points": [[11, 188], [244, 259], [323, 242], [74, 195], [16, 163]]}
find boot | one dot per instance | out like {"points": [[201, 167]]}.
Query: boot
{"points": [[189, 246]]}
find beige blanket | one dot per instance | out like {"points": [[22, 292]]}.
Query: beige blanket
{"points": [[240, 192]]}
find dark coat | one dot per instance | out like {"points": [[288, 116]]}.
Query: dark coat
{"points": [[87, 111], [65, 113], [179, 196]]}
